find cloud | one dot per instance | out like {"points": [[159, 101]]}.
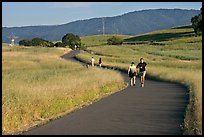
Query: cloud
{"points": [[77, 4]]}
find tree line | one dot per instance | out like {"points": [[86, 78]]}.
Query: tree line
{"points": [[68, 40]]}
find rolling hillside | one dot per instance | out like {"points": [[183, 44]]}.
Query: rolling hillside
{"points": [[131, 23]]}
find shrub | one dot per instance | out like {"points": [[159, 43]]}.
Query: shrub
{"points": [[25, 43], [114, 41], [59, 44]]}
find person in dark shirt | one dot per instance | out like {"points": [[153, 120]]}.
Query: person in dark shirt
{"points": [[100, 62], [142, 71]]}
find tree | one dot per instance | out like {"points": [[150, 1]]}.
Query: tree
{"points": [[197, 23], [71, 40], [114, 41]]}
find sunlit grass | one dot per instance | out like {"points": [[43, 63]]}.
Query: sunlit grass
{"points": [[38, 85], [98, 40], [179, 60]]}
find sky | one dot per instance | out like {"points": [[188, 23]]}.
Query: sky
{"points": [[17, 14]]}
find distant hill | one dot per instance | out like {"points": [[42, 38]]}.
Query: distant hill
{"points": [[131, 23]]}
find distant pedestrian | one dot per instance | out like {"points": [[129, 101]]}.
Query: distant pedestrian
{"points": [[75, 47], [100, 62], [142, 71], [132, 72], [92, 61]]}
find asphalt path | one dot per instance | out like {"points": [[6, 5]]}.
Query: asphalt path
{"points": [[156, 109]]}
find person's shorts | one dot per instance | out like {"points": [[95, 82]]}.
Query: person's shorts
{"points": [[143, 73], [131, 75]]}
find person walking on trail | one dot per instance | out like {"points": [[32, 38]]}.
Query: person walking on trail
{"points": [[100, 62], [142, 71], [92, 61], [132, 72]]}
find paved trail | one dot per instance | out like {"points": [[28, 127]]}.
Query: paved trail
{"points": [[156, 109]]}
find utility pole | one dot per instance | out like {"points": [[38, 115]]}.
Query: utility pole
{"points": [[12, 38], [121, 25], [103, 22], [115, 28]]}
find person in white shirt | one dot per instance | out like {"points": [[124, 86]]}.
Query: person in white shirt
{"points": [[92, 61], [132, 72]]}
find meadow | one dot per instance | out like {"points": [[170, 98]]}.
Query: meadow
{"points": [[39, 86], [98, 40], [178, 59]]}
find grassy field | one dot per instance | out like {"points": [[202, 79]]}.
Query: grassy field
{"points": [[38, 85], [98, 40], [178, 60]]}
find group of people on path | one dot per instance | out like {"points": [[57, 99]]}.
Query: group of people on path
{"points": [[92, 62], [139, 70], [133, 71]]}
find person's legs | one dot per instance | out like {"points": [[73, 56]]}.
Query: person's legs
{"points": [[140, 74], [144, 73], [131, 80], [143, 78], [134, 80], [142, 82]]}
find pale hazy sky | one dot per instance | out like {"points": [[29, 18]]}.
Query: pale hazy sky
{"points": [[55, 13]]}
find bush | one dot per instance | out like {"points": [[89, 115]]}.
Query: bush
{"points": [[114, 41], [59, 44], [25, 43], [82, 46]]}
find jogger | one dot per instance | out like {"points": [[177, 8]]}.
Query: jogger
{"points": [[142, 71], [132, 72]]}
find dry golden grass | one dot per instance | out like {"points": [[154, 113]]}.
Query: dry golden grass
{"points": [[38, 86]]}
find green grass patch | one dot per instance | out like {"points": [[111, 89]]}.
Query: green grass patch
{"points": [[98, 40]]}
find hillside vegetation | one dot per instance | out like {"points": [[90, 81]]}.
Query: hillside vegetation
{"points": [[172, 55], [132, 23]]}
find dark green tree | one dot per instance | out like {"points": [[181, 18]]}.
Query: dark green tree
{"points": [[197, 23], [71, 40]]}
